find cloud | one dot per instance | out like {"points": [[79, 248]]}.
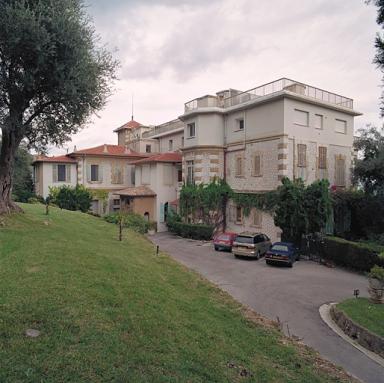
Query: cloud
{"points": [[174, 51]]}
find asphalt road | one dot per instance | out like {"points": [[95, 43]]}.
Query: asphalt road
{"points": [[293, 295]]}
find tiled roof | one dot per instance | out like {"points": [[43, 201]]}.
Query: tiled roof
{"points": [[161, 157], [129, 125], [137, 191], [109, 150], [64, 159]]}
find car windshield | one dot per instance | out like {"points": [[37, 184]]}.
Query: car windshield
{"points": [[280, 248], [223, 237], [244, 239]]}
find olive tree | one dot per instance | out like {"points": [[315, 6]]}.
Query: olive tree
{"points": [[53, 76]]}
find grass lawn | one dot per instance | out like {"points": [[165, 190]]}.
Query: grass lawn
{"points": [[112, 311], [365, 313]]}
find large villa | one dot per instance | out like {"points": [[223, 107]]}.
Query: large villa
{"points": [[252, 139]]}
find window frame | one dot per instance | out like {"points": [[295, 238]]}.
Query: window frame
{"points": [[189, 130], [301, 111], [170, 145], [190, 176], [321, 119], [322, 158], [239, 173], [94, 166], [238, 210], [260, 172], [240, 124], [61, 166], [301, 164], [345, 126], [146, 148]]}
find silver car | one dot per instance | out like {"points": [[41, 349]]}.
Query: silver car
{"points": [[249, 244]]}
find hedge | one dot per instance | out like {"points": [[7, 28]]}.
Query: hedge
{"points": [[194, 231], [352, 255]]}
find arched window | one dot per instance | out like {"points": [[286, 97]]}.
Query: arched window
{"points": [[146, 216]]}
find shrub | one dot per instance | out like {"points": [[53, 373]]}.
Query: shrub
{"points": [[194, 231], [377, 272], [130, 220], [352, 255], [71, 198]]}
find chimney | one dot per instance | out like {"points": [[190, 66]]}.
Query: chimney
{"points": [[75, 149], [105, 150]]}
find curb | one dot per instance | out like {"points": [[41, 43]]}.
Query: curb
{"points": [[326, 317]]}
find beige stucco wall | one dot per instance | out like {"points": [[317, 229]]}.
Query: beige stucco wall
{"points": [[46, 177]]}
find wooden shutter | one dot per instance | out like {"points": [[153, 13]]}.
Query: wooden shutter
{"points": [[257, 165], [68, 173], [340, 171], [301, 155], [322, 157], [239, 166], [88, 173], [100, 178], [54, 173]]}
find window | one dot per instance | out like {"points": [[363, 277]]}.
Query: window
{"points": [[61, 173], [240, 124], [257, 165], [301, 155], [318, 121], [239, 171], [190, 172], [301, 117], [182, 141], [239, 214], [148, 149], [340, 171], [257, 217], [322, 157], [191, 130], [145, 174], [94, 173], [170, 145], [179, 175], [340, 126]]}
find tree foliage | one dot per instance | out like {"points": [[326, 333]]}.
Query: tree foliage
{"points": [[205, 203], [369, 166], [302, 209], [71, 198], [53, 77]]}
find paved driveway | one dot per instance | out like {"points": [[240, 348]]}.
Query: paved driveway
{"points": [[294, 295]]}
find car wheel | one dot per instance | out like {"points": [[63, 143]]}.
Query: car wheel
{"points": [[217, 248], [258, 255], [268, 262], [290, 264]]}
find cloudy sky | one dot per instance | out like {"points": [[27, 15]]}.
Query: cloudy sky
{"points": [[172, 51]]}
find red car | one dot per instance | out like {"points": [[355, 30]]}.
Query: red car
{"points": [[224, 241]]}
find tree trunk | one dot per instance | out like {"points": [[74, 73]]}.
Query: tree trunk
{"points": [[10, 142]]}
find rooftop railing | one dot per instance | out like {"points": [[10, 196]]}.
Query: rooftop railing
{"points": [[283, 84], [167, 127]]}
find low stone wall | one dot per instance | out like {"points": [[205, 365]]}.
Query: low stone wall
{"points": [[364, 337]]}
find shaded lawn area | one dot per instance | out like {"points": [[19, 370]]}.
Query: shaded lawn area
{"points": [[365, 313], [112, 311]]}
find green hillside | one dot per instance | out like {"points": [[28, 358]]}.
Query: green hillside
{"points": [[112, 311]]}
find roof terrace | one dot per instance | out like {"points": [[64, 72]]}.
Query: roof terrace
{"points": [[281, 85]]}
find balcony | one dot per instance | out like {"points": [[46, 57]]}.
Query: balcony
{"points": [[164, 128], [283, 84]]}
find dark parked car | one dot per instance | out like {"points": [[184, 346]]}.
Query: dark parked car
{"points": [[282, 252], [224, 241], [249, 244]]}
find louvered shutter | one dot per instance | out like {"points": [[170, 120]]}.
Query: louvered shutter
{"points": [[54, 173], [100, 173], [88, 173], [257, 165], [301, 155], [68, 173]]}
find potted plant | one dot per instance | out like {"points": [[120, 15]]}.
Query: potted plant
{"points": [[152, 227], [376, 284]]}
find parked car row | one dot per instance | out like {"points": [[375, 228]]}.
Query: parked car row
{"points": [[256, 245]]}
